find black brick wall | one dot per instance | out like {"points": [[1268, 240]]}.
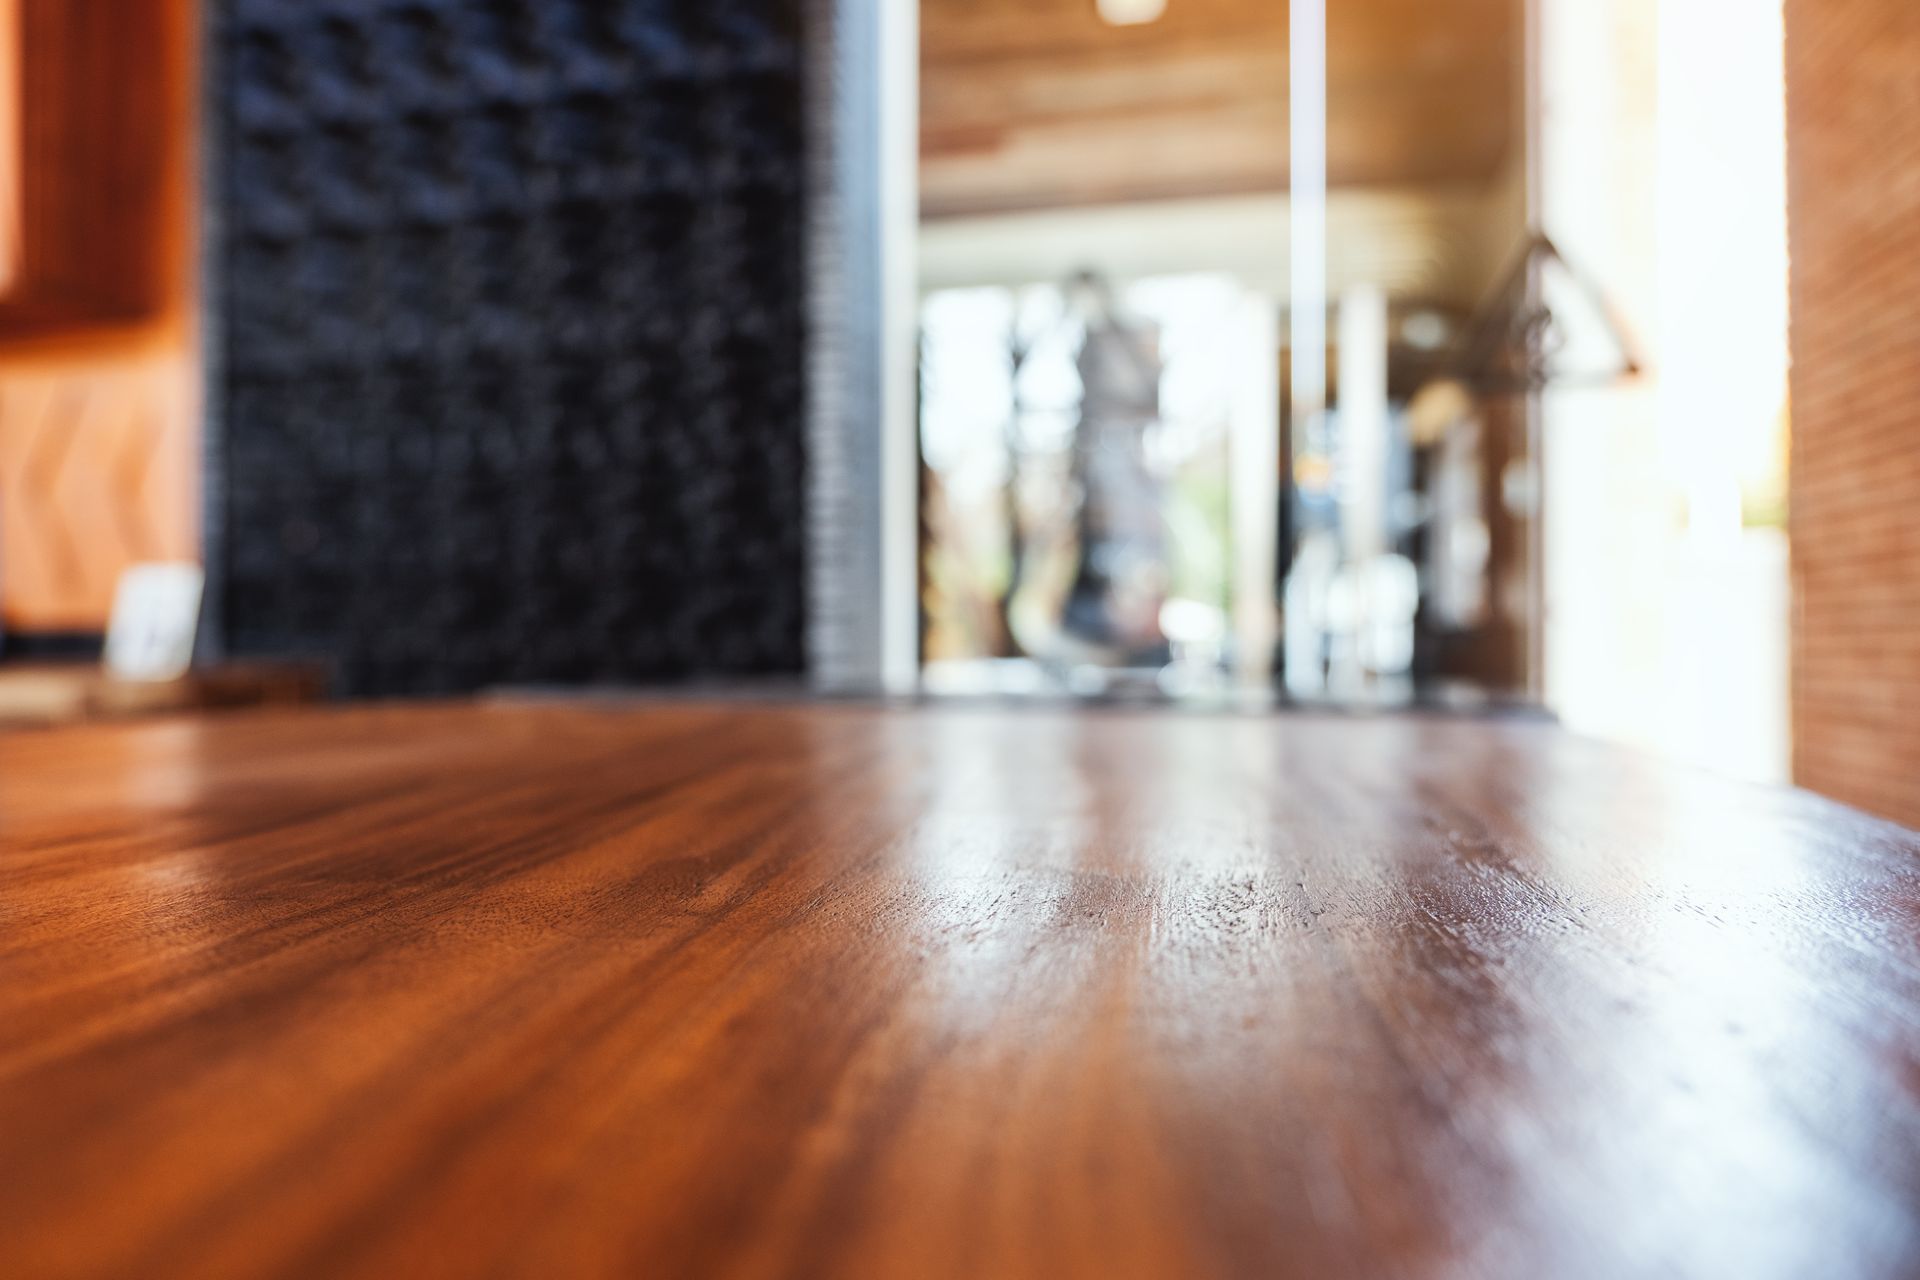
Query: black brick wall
{"points": [[506, 365]]}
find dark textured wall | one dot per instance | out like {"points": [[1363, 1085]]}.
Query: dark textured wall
{"points": [[506, 367]]}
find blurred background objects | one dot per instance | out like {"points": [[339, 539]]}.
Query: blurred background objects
{"points": [[1538, 454], [1356, 354]]}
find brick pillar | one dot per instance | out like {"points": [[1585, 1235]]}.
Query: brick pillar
{"points": [[1853, 197]]}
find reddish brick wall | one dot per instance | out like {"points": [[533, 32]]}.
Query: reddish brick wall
{"points": [[1853, 197]]}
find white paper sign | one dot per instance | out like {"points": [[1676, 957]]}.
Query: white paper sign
{"points": [[155, 613]]}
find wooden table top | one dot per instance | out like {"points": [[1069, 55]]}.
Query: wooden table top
{"points": [[691, 989]]}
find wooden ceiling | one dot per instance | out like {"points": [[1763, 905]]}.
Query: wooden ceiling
{"points": [[1039, 103]]}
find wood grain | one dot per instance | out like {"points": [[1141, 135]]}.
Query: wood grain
{"points": [[1028, 104], [725, 989], [102, 94]]}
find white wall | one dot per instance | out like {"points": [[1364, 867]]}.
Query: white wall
{"points": [[1662, 162]]}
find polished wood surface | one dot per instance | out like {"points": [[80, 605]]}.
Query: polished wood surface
{"points": [[691, 988]]}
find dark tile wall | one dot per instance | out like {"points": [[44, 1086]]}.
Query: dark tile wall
{"points": [[505, 370]]}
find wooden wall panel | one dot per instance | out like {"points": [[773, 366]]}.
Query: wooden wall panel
{"points": [[98, 381], [97, 471], [104, 107]]}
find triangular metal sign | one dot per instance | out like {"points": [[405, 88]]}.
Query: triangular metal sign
{"points": [[1514, 339]]}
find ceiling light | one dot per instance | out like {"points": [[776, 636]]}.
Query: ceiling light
{"points": [[1130, 13]]}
